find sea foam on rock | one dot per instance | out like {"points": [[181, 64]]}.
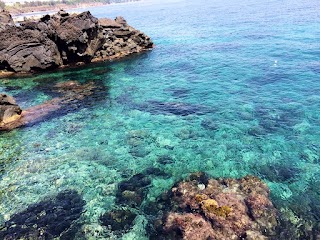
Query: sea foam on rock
{"points": [[65, 39]]}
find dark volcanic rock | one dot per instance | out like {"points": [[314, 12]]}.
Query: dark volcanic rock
{"points": [[63, 39], [120, 39], [47, 219], [25, 50], [9, 110], [77, 36]]}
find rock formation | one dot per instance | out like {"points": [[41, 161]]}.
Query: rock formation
{"points": [[9, 110], [202, 208], [64, 39]]}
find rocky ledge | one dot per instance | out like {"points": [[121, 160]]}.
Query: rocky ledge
{"points": [[65, 39]]}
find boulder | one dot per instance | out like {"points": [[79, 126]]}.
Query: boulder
{"points": [[9, 110], [202, 208]]}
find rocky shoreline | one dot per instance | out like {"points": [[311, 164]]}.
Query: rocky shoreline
{"points": [[64, 39]]}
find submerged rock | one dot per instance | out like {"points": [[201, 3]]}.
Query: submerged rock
{"points": [[9, 110], [47, 219], [64, 39], [175, 108], [131, 192], [118, 219], [203, 208], [73, 95]]}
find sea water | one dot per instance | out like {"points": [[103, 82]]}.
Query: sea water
{"points": [[231, 88]]}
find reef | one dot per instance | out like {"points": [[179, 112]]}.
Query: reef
{"points": [[48, 219], [223, 208], [65, 39]]}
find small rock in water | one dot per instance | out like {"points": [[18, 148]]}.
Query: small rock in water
{"points": [[139, 151], [118, 219], [9, 110], [132, 191]]}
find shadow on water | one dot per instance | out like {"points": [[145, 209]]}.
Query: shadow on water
{"points": [[47, 219]]}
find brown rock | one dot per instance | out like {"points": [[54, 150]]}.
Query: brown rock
{"points": [[109, 23], [9, 110], [121, 21], [218, 209]]}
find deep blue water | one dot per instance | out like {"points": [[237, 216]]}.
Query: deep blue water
{"points": [[231, 88]]}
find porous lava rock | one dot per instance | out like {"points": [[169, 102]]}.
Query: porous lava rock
{"points": [[65, 39], [26, 50], [224, 208]]}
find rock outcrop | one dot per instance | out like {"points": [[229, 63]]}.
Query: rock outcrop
{"points": [[9, 110], [203, 208], [63, 39]]}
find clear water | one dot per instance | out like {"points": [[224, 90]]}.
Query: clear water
{"points": [[231, 88]]}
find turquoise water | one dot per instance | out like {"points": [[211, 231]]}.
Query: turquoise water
{"points": [[230, 89]]}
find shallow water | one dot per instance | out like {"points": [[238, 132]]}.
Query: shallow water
{"points": [[230, 89]]}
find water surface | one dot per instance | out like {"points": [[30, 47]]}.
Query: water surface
{"points": [[231, 88]]}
